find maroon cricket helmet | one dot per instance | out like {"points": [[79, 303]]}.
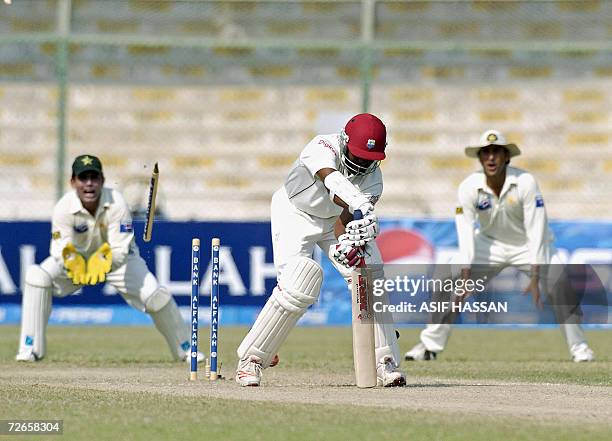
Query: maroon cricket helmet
{"points": [[367, 137]]}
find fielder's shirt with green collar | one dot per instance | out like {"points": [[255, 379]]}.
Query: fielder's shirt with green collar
{"points": [[516, 218], [112, 223]]}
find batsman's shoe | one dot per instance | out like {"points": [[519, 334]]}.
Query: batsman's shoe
{"points": [[388, 375], [582, 353], [27, 355], [249, 371], [419, 353]]}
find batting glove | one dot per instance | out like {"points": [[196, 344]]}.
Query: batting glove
{"points": [[345, 254], [362, 231], [98, 264], [74, 264]]}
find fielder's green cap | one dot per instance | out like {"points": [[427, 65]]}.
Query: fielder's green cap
{"points": [[85, 163]]}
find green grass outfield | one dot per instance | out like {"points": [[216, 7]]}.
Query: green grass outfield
{"points": [[119, 383]]}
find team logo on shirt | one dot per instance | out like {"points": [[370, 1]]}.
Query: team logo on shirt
{"points": [[459, 210], [81, 228], [126, 227], [484, 203], [56, 235], [539, 200]]}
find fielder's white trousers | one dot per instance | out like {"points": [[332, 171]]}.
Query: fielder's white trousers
{"points": [[133, 280], [136, 284], [496, 256]]}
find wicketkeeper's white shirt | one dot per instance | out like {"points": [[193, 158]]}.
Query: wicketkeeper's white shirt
{"points": [[112, 223], [308, 193], [517, 218]]}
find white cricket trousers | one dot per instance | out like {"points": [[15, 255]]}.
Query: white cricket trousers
{"points": [[496, 256]]}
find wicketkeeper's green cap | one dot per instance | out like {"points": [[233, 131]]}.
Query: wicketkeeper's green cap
{"points": [[85, 163]]}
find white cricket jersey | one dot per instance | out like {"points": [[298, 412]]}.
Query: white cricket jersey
{"points": [[72, 223], [517, 217], [308, 193]]}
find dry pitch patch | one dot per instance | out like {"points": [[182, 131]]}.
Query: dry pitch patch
{"points": [[488, 385], [561, 402]]}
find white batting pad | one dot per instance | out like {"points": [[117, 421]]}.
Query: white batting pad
{"points": [[298, 288], [300, 281], [385, 339], [35, 311], [175, 330], [157, 300]]}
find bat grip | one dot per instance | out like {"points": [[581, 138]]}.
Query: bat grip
{"points": [[358, 214]]}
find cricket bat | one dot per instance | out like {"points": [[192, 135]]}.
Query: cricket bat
{"points": [[363, 323]]}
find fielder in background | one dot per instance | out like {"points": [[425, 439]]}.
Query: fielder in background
{"points": [[334, 176], [93, 242], [513, 230]]}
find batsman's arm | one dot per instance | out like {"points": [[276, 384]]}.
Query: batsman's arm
{"points": [[340, 225], [342, 192]]}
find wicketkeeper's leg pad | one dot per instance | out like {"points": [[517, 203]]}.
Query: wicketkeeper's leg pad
{"points": [[298, 288], [35, 311], [157, 300], [169, 322]]}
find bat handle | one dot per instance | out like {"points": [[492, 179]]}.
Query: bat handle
{"points": [[358, 214]]}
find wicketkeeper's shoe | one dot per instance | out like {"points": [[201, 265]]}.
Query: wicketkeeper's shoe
{"points": [[249, 371], [187, 357], [419, 353], [27, 355], [582, 353], [184, 353], [388, 375]]}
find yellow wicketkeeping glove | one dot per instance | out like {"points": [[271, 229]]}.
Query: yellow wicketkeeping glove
{"points": [[74, 264], [99, 264]]}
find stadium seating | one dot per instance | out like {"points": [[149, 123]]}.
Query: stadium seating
{"points": [[226, 121]]}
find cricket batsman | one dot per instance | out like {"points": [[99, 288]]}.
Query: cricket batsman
{"points": [[334, 176], [92, 242], [513, 230]]}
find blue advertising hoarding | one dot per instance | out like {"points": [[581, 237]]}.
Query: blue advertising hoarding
{"points": [[247, 270]]}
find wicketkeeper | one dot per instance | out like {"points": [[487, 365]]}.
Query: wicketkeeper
{"points": [[501, 220], [334, 176], [92, 242]]}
